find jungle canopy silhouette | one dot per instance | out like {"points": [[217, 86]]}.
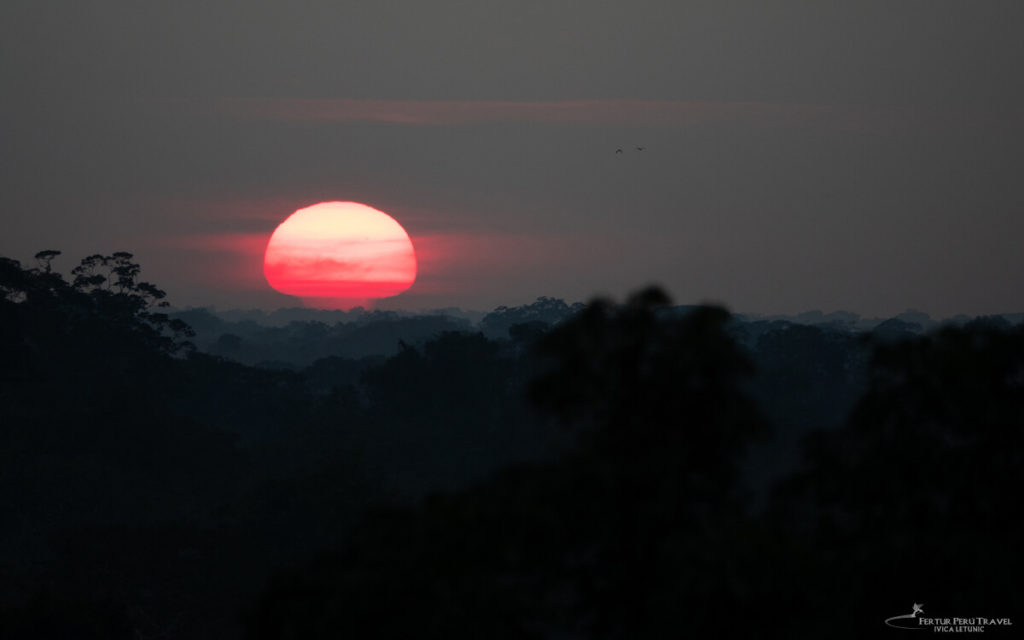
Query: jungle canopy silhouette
{"points": [[602, 470]]}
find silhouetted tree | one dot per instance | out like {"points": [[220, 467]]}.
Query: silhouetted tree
{"points": [[636, 532], [915, 499], [45, 258], [92, 436]]}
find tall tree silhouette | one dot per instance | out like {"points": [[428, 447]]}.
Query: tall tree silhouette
{"points": [[628, 534], [915, 498], [93, 440]]}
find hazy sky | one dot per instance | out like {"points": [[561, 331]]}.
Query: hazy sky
{"points": [[852, 155]]}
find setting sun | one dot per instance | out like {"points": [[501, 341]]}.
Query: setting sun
{"points": [[340, 255]]}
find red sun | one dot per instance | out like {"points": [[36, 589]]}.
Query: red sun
{"points": [[339, 255]]}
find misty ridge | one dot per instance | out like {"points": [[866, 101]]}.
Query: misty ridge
{"points": [[632, 469], [294, 338]]}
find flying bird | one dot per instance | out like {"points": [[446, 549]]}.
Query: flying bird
{"points": [[640, 148], [618, 151]]}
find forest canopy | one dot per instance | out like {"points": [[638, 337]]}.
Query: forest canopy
{"points": [[608, 470]]}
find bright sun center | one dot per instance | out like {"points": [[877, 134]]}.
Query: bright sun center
{"points": [[339, 255]]}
